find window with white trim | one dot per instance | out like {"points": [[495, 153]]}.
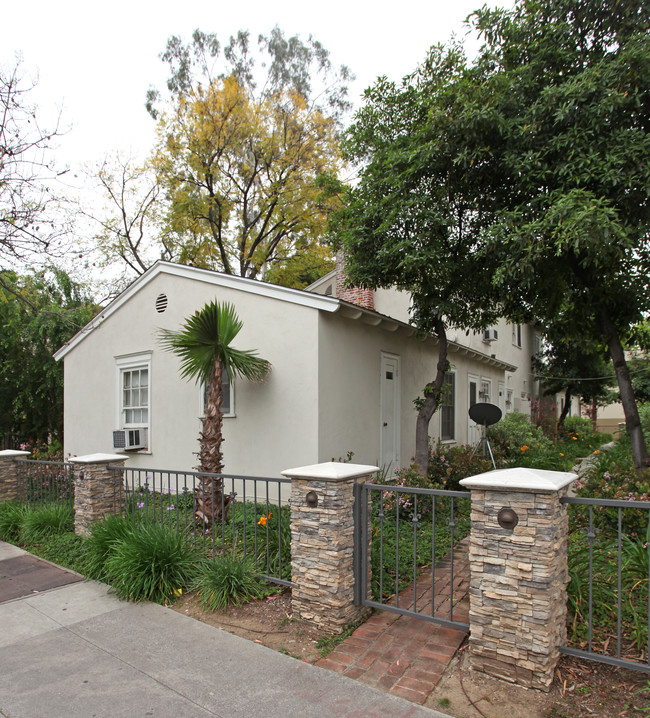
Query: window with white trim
{"points": [[516, 335], [134, 388], [448, 408], [228, 396]]}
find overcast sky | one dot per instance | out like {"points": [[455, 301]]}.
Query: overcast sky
{"points": [[95, 61]]}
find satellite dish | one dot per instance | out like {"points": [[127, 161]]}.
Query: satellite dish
{"points": [[485, 414]]}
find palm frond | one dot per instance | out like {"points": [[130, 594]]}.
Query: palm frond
{"points": [[206, 336]]}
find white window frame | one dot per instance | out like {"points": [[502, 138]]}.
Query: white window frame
{"points": [[127, 363], [485, 397], [452, 406], [231, 413]]}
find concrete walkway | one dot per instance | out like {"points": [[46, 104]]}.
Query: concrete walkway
{"points": [[77, 651], [407, 656]]}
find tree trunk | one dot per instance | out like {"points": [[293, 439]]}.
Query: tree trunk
{"points": [[210, 504], [632, 421], [565, 410], [430, 404]]}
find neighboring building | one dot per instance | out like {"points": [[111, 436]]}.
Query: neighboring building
{"points": [[343, 379]]}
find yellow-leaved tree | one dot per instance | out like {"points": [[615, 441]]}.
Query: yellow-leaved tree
{"points": [[248, 170]]}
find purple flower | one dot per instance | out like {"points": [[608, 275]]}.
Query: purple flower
{"points": [[140, 504], [171, 507]]}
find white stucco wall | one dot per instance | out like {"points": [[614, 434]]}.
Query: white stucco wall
{"points": [[275, 426]]}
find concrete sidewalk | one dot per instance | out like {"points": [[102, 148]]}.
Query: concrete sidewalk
{"points": [[77, 651]]}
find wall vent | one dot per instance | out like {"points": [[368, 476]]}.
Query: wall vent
{"points": [[161, 303]]}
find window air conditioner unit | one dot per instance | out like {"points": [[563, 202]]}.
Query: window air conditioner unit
{"points": [[127, 439], [490, 335]]}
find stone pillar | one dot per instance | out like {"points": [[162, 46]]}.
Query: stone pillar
{"points": [[8, 473], [322, 543], [96, 488], [519, 574]]}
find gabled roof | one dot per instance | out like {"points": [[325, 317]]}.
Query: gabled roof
{"points": [[273, 291]]}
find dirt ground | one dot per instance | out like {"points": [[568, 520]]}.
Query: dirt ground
{"points": [[581, 688]]}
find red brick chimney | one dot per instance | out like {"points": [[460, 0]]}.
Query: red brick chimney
{"points": [[355, 295]]}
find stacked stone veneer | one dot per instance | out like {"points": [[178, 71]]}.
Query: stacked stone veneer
{"points": [[518, 576], [8, 473], [322, 543], [96, 488]]}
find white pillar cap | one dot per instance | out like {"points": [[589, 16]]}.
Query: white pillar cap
{"points": [[330, 471], [520, 479]]}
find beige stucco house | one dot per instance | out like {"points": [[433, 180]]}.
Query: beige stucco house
{"points": [[344, 376]]}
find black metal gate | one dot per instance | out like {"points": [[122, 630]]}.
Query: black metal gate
{"points": [[418, 564]]}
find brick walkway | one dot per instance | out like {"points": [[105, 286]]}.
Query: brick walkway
{"points": [[403, 655]]}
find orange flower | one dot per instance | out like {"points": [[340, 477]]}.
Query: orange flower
{"points": [[525, 448], [597, 451], [575, 438], [264, 519], [561, 454]]}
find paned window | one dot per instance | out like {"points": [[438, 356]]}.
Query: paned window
{"points": [[134, 390], [447, 411], [135, 396], [228, 392]]}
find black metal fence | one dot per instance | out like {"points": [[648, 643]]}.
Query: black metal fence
{"points": [[609, 573], [218, 513], [418, 565], [39, 482]]}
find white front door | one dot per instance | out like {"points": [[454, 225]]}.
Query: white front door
{"points": [[473, 429], [389, 438]]}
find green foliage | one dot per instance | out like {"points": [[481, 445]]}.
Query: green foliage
{"points": [[449, 464], [40, 523], [65, 549], [208, 336], [225, 580], [644, 416], [11, 519], [38, 314], [326, 644], [105, 535], [205, 347], [150, 564]]}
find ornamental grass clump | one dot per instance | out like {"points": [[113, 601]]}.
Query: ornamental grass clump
{"points": [[225, 580], [44, 521], [150, 564], [11, 519], [105, 536]]}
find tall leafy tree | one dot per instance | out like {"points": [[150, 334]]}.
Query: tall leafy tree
{"points": [[28, 230], [38, 314], [576, 367], [205, 347], [560, 114], [244, 155], [414, 219]]}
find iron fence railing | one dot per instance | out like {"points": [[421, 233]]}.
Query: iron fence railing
{"points": [[609, 573], [39, 482], [417, 555], [218, 513]]}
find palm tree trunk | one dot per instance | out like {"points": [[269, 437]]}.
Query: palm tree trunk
{"points": [[210, 503]]}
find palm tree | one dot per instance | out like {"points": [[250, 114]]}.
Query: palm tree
{"points": [[204, 344]]}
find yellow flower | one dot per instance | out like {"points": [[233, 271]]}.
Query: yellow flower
{"points": [[178, 592]]}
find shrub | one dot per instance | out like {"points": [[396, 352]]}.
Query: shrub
{"points": [[68, 550], [449, 464], [228, 579], [644, 416], [105, 535], [44, 521], [11, 519], [150, 564]]}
